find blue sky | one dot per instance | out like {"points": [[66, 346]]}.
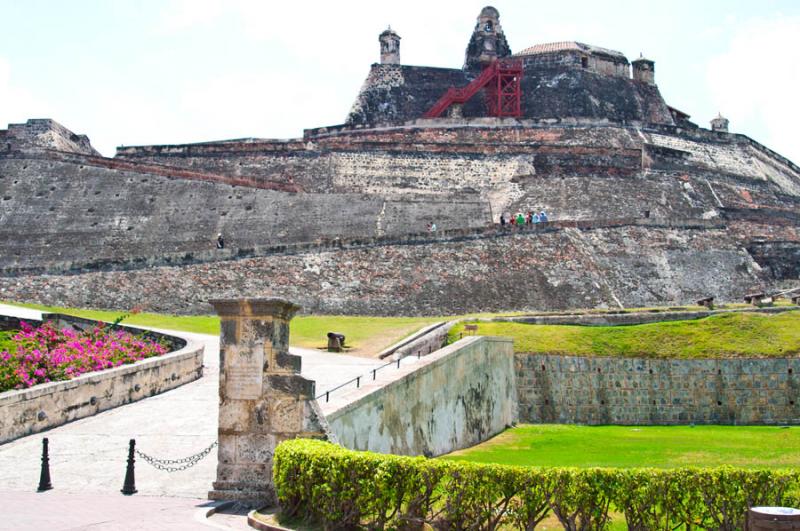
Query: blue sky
{"points": [[173, 71]]}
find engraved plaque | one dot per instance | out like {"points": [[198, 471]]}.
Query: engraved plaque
{"points": [[243, 374]]}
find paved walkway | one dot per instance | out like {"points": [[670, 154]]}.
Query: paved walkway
{"points": [[89, 455], [26, 511]]}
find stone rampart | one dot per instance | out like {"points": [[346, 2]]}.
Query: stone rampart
{"points": [[602, 390], [588, 169], [461, 395], [44, 406], [537, 269], [44, 133], [393, 94], [65, 215]]}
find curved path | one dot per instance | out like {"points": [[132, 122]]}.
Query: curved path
{"points": [[89, 455]]}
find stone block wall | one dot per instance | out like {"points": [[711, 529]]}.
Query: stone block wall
{"points": [[600, 390], [263, 400], [70, 215], [580, 171], [464, 394]]}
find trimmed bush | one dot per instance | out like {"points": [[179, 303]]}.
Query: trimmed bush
{"points": [[337, 488]]}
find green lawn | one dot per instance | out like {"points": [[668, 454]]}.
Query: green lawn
{"points": [[367, 335], [718, 336], [643, 446], [5, 340]]}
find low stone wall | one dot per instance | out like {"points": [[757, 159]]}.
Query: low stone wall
{"points": [[45, 406], [463, 394], [422, 343], [623, 317], [601, 390]]}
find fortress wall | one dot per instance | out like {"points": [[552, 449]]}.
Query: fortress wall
{"points": [[735, 158], [779, 259], [64, 215], [575, 172], [48, 134], [579, 390], [304, 170], [523, 270], [393, 94]]}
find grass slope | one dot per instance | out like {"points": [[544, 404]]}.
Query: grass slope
{"points": [[644, 446], [719, 336], [368, 335]]}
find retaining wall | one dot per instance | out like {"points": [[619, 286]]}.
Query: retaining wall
{"points": [[602, 390], [27, 411], [534, 270], [462, 395], [76, 215], [622, 317]]}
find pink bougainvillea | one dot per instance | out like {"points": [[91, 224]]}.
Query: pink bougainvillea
{"points": [[47, 354]]}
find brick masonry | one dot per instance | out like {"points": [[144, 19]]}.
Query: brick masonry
{"points": [[580, 390]]}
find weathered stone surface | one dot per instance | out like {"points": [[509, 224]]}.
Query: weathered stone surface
{"points": [[568, 389], [584, 170], [255, 414], [466, 395], [40, 134], [79, 216], [637, 264]]}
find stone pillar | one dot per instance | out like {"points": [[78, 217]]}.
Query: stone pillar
{"points": [[263, 400]]}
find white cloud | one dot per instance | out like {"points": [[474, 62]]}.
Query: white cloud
{"points": [[754, 82]]}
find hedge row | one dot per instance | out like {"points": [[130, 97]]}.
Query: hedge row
{"points": [[336, 488]]}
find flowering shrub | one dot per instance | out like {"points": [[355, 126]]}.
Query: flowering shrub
{"points": [[47, 354]]}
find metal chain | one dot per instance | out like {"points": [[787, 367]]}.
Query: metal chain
{"points": [[176, 465]]}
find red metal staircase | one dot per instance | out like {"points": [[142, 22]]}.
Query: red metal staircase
{"points": [[502, 82]]}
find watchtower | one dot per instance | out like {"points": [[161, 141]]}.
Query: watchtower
{"points": [[644, 70], [390, 47], [488, 42], [720, 123]]}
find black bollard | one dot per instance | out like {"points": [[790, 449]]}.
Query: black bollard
{"points": [[129, 487], [44, 477]]}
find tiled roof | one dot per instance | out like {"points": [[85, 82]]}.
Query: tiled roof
{"points": [[564, 46]]}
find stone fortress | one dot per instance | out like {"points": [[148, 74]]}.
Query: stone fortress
{"points": [[645, 206]]}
